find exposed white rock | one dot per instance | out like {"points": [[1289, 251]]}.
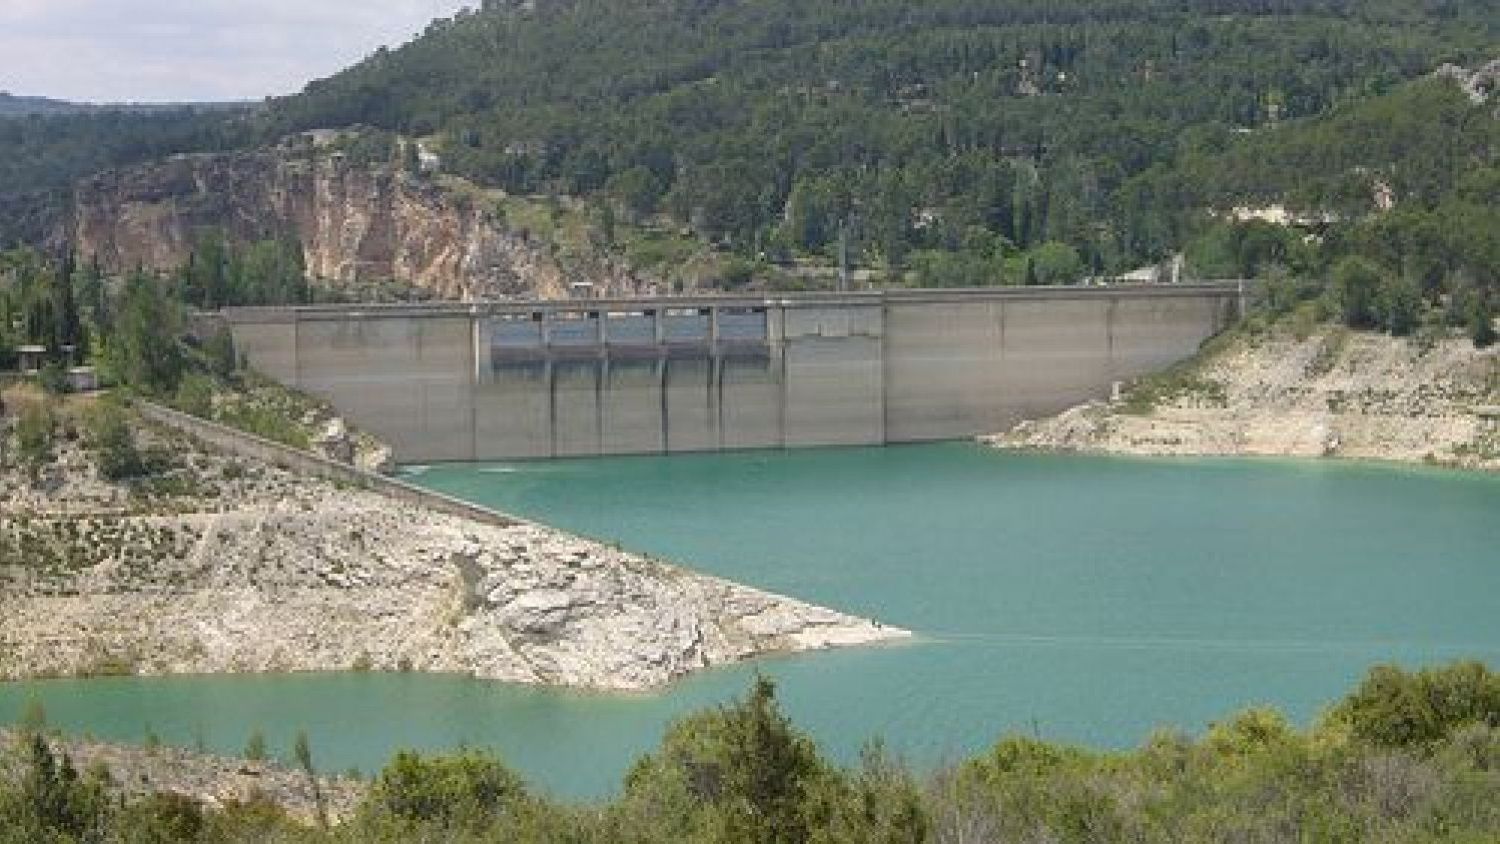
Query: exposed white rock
{"points": [[1479, 84], [1332, 394], [273, 572]]}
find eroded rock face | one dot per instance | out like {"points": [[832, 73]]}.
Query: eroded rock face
{"points": [[249, 568], [355, 224]]}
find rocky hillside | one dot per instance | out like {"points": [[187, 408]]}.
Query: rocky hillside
{"points": [[1332, 393], [215, 564], [356, 223]]}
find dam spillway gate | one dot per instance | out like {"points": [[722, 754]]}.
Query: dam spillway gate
{"points": [[510, 380]]}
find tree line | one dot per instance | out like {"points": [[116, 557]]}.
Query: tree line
{"points": [[1406, 756], [132, 327]]}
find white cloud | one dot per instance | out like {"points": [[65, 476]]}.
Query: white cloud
{"points": [[175, 50]]}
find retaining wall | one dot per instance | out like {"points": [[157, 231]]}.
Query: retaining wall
{"points": [[252, 447]]}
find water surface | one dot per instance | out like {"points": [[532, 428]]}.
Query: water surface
{"points": [[1079, 598]]}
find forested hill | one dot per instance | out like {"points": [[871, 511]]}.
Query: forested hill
{"points": [[50, 151], [11, 105], [1409, 179], [955, 126], [1422, 141], [953, 141]]}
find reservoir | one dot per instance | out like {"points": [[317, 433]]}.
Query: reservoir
{"points": [[1084, 599]]}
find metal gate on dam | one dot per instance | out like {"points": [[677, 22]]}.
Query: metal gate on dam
{"points": [[507, 380]]}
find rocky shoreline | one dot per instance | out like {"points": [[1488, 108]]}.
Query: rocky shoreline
{"points": [[211, 781], [1332, 393], [227, 565]]}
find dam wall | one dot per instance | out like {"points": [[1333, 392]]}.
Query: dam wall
{"points": [[509, 380]]}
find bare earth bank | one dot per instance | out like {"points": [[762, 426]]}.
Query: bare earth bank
{"points": [[1334, 393]]}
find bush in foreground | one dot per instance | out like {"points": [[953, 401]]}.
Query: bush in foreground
{"points": [[1406, 757]]}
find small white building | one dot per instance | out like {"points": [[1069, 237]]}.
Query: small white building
{"points": [[32, 358]]}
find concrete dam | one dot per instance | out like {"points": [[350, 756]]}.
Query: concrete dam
{"points": [[510, 380]]}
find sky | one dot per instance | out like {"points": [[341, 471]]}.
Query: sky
{"points": [[194, 50]]}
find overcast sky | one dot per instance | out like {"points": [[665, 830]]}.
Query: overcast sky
{"points": [[175, 50]]}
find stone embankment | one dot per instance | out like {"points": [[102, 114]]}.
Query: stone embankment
{"points": [[1334, 393], [221, 564]]}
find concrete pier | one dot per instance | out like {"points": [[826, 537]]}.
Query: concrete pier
{"points": [[545, 379]]}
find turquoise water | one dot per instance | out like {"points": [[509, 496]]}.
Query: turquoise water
{"points": [[1079, 598]]}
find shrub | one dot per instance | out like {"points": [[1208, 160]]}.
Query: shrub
{"points": [[195, 395], [56, 803], [113, 444], [255, 748], [954, 269], [1357, 283], [465, 790], [34, 432], [737, 273], [164, 817], [1481, 324], [53, 378], [1399, 305], [219, 349], [1394, 708], [745, 766]]}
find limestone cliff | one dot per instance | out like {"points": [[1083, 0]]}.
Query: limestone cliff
{"points": [[356, 224]]}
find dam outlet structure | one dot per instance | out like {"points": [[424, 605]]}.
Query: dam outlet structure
{"points": [[575, 378]]}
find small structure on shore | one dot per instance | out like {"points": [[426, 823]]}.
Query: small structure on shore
{"points": [[32, 358], [83, 379]]}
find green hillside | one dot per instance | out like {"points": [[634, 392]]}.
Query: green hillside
{"points": [[951, 142], [1407, 182], [985, 129]]}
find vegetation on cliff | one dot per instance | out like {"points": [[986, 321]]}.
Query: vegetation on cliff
{"points": [[1411, 757]]}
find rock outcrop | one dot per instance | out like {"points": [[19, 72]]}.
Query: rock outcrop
{"points": [[222, 565], [1332, 394], [356, 224], [1480, 84]]}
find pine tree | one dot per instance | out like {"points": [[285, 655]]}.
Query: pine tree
{"points": [[67, 328]]}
